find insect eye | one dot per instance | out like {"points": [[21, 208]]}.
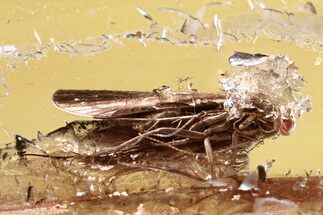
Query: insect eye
{"points": [[287, 126]]}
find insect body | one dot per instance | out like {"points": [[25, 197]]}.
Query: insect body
{"points": [[168, 125]]}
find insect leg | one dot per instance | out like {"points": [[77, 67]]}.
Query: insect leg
{"points": [[169, 145], [209, 121], [185, 125], [209, 155], [154, 125], [113, 150], [242, 124], [169, 132]]}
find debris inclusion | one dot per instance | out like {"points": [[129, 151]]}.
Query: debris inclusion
{"points": [[272, 79]]}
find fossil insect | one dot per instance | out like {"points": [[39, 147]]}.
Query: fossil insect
{"points": [[179, 132], [138, 127]]}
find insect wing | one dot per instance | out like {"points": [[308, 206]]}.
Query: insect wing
{"points": [[99, 103], [106, 103]]}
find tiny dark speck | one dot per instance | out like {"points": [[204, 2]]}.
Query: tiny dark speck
{"points": [[82, 126], [20, 143], [4, 156], [29, 193], [261, 172]]}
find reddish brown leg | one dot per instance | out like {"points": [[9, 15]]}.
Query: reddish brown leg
{"points": [[209, 155]]}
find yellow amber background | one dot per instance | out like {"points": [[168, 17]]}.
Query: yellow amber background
{"points": [[132, 66]]}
